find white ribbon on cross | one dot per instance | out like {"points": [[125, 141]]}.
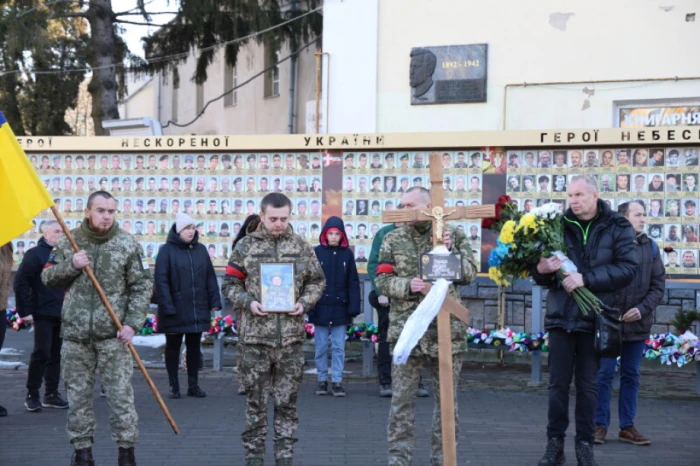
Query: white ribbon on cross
{"points": [[420, 319]]}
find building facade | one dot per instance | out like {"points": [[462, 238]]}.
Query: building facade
{"points": [[269, 103], [635, 43]]}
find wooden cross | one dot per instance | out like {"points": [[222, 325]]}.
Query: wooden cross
{"points": [[438, 214]]}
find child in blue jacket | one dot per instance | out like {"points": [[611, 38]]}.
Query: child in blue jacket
{"points": [[338, 306]]}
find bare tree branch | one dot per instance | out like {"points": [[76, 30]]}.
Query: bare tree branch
{"points": [[56, 2], [123, 21], [134, 13], [134, 9], [80, 14]]}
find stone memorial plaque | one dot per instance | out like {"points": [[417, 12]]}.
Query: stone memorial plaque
{"points": [[448, 74], [433, 267]]}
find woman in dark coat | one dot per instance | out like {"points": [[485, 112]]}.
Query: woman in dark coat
{"points": [[337, 307], [187, 293]]}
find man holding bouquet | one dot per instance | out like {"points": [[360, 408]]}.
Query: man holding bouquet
{"points": [[601, 244]]}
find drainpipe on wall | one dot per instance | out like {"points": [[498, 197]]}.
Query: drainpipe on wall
{"points": [[160, 86], [292, 77]]}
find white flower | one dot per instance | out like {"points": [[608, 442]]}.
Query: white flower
{"points": [[548, 211]]}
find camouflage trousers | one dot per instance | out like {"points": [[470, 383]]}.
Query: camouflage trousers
{"points": [[401, 431], [113, 359], [277, 372]]}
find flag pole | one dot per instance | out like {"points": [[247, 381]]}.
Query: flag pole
{"points": [[114, 317]]}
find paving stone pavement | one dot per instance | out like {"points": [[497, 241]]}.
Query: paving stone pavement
{"points": [[502, 422]]}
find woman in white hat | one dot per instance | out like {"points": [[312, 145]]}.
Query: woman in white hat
{"points": [[187, 293]]}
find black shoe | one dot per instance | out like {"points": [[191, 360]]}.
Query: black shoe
{"points": [[194, 390], [32, 402], [584, 454], [322, 388], [385, 391], [126, 457], [421, 392], [337, 389], [53, 399], [82, 457], [174, 388], [554, 455], [3, 412]]}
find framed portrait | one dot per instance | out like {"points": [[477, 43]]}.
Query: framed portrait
{"points": [[303, 161], [513, 161], [277, 287], [529, 160], [544, 160]]}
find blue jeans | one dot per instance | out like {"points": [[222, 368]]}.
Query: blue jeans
{"points": [[630, 361], [337, 333]]}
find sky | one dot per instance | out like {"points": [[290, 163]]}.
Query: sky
{"points": [[134, 33]]}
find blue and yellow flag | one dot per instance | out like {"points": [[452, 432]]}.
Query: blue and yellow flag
{"points": [[22, 195]]}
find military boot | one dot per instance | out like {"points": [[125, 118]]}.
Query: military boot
{"points": [[554, 455], [127, 457], [584, 454], [174, 388], [283, 462], [82, 457], [254, 462], [193, 389]]}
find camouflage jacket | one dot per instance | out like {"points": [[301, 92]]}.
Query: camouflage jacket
{"points": [[116, 259], [241, 284], [398, 264]]}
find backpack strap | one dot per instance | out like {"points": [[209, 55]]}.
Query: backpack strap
{"points": [[654, 249]]}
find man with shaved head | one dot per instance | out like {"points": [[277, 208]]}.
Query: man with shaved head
{"points": [[588, 223]]}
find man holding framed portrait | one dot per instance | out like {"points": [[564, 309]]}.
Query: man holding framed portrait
{"points": [[275, 277]]}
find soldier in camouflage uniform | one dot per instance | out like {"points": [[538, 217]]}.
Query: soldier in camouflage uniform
{"points": [[397, 278], [272, 358], [90, 337]]}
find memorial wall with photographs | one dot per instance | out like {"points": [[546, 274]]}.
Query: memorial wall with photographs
{"points": [[220, 190], [664, 180]]}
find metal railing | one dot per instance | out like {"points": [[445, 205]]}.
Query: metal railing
{"points": [[537, 315]]}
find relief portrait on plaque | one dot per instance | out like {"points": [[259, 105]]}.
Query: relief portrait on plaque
{"points": [[448, 74]]}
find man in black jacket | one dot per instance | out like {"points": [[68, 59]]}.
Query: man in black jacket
{"points": [[601, 244], [637, 302], [42, 306]]}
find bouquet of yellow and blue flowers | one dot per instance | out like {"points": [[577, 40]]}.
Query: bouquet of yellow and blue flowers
{"points": [[526, 237]]}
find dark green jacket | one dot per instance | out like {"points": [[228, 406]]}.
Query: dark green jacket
{"points": [[374, 254]]}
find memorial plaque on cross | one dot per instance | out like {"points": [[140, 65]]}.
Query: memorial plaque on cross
{"points": [[438, 214]]}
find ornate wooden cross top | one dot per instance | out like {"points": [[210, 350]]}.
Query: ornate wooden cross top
{"points": [[438, 214]]}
